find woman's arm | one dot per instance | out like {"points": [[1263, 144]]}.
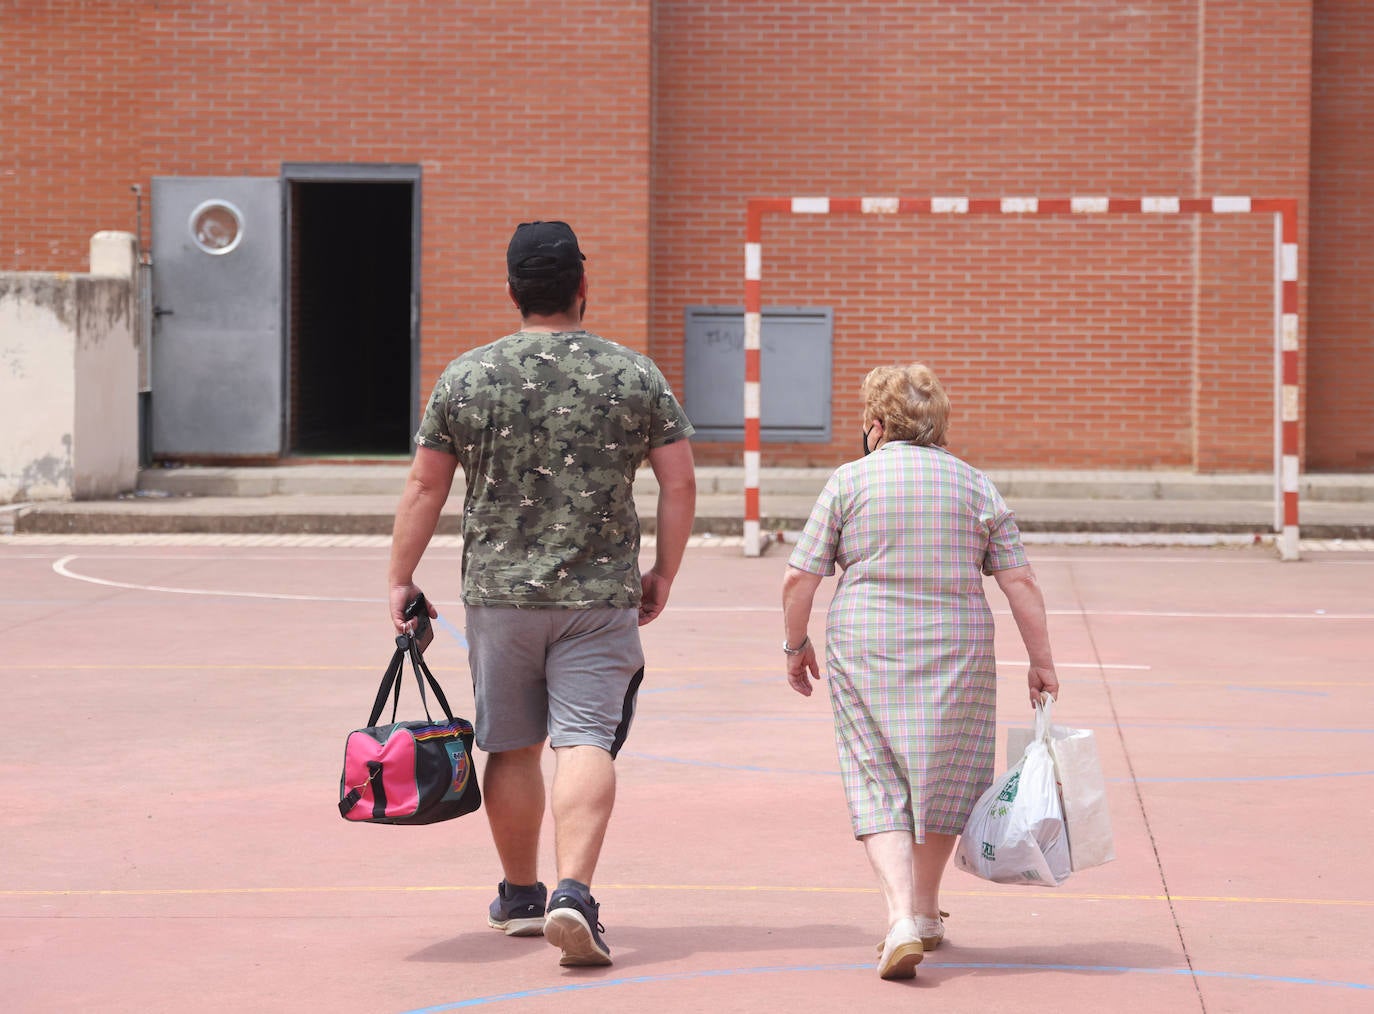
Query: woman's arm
{"points": [[1028, 609], [798, 595]]}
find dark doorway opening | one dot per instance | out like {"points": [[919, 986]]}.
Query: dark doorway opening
{"points": [[352, 343]]}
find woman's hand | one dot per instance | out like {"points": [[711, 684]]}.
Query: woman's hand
{"points": [[1042, 679], [801, 669], [798, 594]]}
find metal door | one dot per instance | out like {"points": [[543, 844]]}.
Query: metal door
{"points": [[217, 348]]}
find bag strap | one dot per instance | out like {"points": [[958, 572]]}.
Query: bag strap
{"points": [[417, 662], [374, 770], [390, 680]]}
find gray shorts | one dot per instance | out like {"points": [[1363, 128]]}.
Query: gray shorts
{"points": [[567, 674]]}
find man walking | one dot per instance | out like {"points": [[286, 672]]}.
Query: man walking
{"points": [[549, 425]]}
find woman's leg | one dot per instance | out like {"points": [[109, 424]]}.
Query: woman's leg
{"points": [[931, 856], [890, 854]]}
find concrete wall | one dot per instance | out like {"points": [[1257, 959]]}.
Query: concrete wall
{"points": [[69, 379]]}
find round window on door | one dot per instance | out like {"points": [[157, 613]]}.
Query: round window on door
{"points": [[216, 226]]}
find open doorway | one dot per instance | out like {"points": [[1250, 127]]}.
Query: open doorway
{"points": [[353, 341]]}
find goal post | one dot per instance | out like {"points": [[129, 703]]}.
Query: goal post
{"points": [[1285, 215]]}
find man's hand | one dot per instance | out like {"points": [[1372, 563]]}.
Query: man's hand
{"points": [[401, 596], [655, 595]]}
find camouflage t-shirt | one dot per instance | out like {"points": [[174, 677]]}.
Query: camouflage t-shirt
{"points": [[549, 429]]}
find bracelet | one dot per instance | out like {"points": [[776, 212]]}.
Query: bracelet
{"points": [[787, 649]]}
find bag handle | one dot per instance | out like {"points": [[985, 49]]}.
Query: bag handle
{"points": [[390, 679], [417, 663], [391, 682], [1044, 716]]}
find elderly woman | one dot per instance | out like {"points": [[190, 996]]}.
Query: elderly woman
{"points": [[909, 642]]}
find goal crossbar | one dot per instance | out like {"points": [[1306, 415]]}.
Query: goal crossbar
{"points": [[1285, 214]]}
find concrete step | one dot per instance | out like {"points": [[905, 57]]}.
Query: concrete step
{"points": [[717, 513], [386, 479]]}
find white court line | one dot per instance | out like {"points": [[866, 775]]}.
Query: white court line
{"points": [[1158, 614], [218, 540], [60, 567], [1179, 615]]}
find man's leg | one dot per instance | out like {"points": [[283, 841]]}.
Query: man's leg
{"points": [[513, 796], [593, 671], [583, 797]]}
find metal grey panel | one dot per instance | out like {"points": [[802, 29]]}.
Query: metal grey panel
{"points": [[794, 396], [217, 342]]}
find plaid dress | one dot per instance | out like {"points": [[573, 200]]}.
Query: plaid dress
{"points": [[909, 636]]}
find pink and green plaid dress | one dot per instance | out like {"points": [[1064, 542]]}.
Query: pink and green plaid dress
{"points": [[909, 636]]}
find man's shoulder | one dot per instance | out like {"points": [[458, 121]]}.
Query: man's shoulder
{"points": [[610, 347], [480, 353]]}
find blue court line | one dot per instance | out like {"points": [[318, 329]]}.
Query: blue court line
{"points": [[1276, 690], [826, 716], [762, 769], [1254, 778], [573, 987], [449, 628]]}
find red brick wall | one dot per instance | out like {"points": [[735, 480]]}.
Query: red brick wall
{"points": [[70, 75], [1064, 344], [1340, 410], [1104, 343], [1254, 114], [514, 109]]}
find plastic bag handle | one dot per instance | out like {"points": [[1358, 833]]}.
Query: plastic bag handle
{"points": [[1044, 716]]}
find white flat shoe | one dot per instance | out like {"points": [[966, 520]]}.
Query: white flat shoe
{"points": [[931, 932], [902, 951]]}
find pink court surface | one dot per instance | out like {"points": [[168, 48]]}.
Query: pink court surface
{"points": [[177, 716]]}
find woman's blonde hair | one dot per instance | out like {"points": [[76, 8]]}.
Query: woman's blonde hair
{"points": [[909, 401]]}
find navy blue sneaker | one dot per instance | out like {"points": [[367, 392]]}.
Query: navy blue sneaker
{"points": [[519, 911], [573, 926]]}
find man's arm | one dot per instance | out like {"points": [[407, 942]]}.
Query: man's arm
{"points": [[675, 471], [417, 515]]}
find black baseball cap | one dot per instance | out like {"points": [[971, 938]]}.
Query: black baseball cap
{"points": [[542, 250]]}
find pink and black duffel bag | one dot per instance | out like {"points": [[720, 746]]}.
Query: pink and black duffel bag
{"points": [[409, 772]]}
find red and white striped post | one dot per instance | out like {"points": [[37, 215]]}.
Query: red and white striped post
{"points": [[1284, 210]]}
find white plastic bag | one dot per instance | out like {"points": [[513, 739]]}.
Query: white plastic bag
{"points": [[1082, 788], [1015, 834]]}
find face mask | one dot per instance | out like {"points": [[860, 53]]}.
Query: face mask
{"points": [[868, 450]]}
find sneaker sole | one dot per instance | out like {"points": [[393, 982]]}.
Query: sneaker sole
{"points": [[902, 962], [567, 930], [519, 927]]}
